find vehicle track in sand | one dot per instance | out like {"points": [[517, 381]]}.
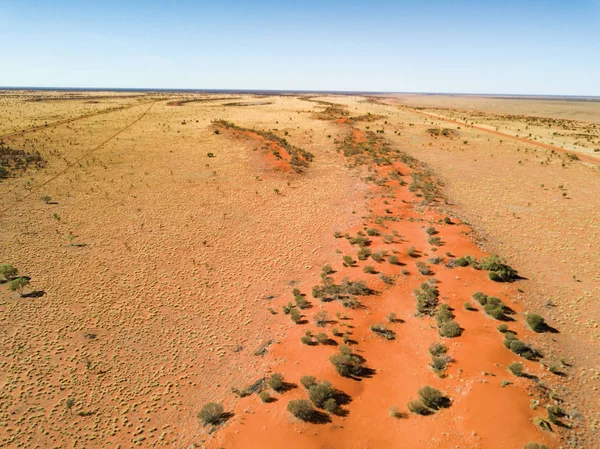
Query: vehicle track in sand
{"points": [[583, 157], [85, 155]]}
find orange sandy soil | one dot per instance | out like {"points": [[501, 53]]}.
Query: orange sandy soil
{"points": [[179, 256], [480, 405]]}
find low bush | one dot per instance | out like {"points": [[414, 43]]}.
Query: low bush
{"points": [[516, 368], [295, 315], [308, 381], [433, 398], [301, 409], [348, 261], [382, 331], [503, 328], [535, 446], [536, 322], [265, 396], [393, 260], [320, 392], [276, 382], [211, 413], [346, 363], [369, 269], [321, 318], [470, 307], [418, 408], [427, 298], [363, 253], [7, 271], [437, 349], [423, 268], [18, 285], [377, 257], [450, 329]]}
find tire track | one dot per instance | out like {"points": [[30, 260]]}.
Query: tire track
{"points": [[76, 161], [70, 120], [582, 156]]}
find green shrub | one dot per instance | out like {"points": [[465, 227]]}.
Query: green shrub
{"points": [[437, 349], [498, 270], [306, 340], [434, 241], [321, 318], [412, 252], [535, 446], [276, 382], [503, 328], [470, 307], [391, 317], [265, 396], [301, 409], [346, 363], [439, 364], [443, 314], [536, 322], [322, 338], [348, 261], [46, 199], [481, 298], [382, 331], [321, 392], [372, 232], [423, 268], [520, 348], [295, 315], [7, 271], [330, 405], [363, 253], [377, 257], [308, 381], [427, 298], [18, 285], [327, 269], [431, 230], [393, 260], [417, 407], [516, 368], [369, 269], [211, 413], [301, 302], [450, 329], [432, 398]]}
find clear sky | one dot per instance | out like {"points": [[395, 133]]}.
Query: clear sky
{"points": [[510, 46]]}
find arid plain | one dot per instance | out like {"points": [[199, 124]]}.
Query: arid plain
{"points": [[183, 249]]}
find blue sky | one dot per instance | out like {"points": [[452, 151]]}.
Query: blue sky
{"points": [[520, 47]]}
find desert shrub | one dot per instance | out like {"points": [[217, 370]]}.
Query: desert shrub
{"points": [[382, 331], [276, 382], [346, 363], [427, 298], [360, 241], [389, 280], [391, 317], [358, 288], [330, 405], [308, 381], [431, 230], [480, 297], [450, 329], [437, 349], [370, 269], [301, 302], [494, 307], [321, 318], [287, 308], [18, 285], [7, 271], [348, 261], [542, 423], [536, 322], [503, 328], [306, 340], [439, 364], [435, 260], [443, 314], [377, 257], [412, 252], [321, 392], [535, 446], [363, 253], [520, 348], [418, 408], [516, 368], [372, 232], [393, 260], [301, 409], [351, 302], [434, 241], [327, 269], [322, 338], [317, 292], [265, 396], [337, 234], [211, 413], [470, 307], [296, 292], [432, 398], [395, 412], [423, 268], [447, 220], [295, 315], [461, 262], [498, 270]]}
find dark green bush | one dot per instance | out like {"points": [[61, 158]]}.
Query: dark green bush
{"points": [[516, 368], [321, 392], [346, 363], [433, 398], [427, 298], [536, 322], [437, 349], [308, 381], [417, 407], [450, 329]]}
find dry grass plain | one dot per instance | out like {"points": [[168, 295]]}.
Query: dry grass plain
{"points": [[155, 264]]}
